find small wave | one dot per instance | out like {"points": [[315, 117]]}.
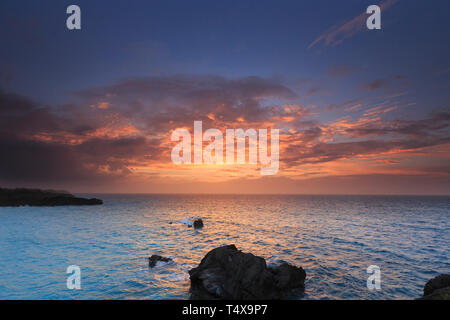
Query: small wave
{"points": [[188, 221], [177, 277], [161, 263], [274, 262]]}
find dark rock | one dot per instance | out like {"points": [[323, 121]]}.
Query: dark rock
{"points": [[438, 294], [228, 273], [198, 223], [437, 287], [35, 197], [155, 258]]}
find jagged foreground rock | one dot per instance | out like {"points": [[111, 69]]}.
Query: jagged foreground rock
{"points": [[228, 273], [437, 288]]}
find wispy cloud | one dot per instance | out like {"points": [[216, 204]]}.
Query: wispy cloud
{"points": [[384, 83], [338, 33]]}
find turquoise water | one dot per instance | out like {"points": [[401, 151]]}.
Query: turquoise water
{"points": [[334, 238]]}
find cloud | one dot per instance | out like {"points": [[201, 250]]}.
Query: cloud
{"points": [[156, 104], [376, 85], [128, 127], [338, 33], [327, 152], [315, 91], [367, 138], [76, 144], [44, 144], [385, 83], [422, 129], [347, 105]]}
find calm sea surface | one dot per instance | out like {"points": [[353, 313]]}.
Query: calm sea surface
{"points": [[334, 238]]}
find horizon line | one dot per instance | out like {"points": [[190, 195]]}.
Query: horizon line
{"points": [[265, 194]]}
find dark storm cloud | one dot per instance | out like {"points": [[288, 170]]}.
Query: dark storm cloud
{"points": [[25, 161], [102, 159], [20, 116], [26, 158]]}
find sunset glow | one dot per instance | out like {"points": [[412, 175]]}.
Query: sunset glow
{"points": [[363, 119]]}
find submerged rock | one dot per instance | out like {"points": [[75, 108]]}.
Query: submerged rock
{"points": [[228, 273], [35, 197], [198, 223], [155, 258], [437, 288]]}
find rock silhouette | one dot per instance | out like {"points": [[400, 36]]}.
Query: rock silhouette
{"points": [[437, 288], [198, 223], [35, 197], [155, 258], [228, 273]]}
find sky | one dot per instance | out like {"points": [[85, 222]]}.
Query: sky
{"points": [[359, 111]]}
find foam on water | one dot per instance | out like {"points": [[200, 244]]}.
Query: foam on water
{"points": [[334, 238]]}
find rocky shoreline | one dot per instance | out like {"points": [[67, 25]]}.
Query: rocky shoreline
{"points": [[437, 288], [226, 273], [36, 197]]}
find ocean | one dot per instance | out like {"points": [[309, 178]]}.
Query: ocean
{"points": [[334, 238]]}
